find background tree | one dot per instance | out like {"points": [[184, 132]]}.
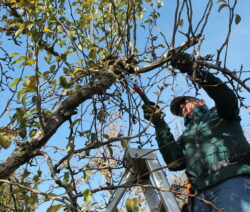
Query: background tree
{"points": [[67, 115]]}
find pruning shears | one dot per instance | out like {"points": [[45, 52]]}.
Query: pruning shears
{"points": [[138, 90]]}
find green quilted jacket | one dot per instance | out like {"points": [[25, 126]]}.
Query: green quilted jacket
{"points": [[212, 147]]}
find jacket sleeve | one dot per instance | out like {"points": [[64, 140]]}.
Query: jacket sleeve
{"points": [[171, 151], [225, 99]]}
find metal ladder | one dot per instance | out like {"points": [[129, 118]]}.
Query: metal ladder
{"points": [[144, 161]]}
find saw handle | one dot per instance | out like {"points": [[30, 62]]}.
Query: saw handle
{"points": [[142, 94]]}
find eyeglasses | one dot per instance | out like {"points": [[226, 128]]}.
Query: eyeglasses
{"points": [[184, 102]]}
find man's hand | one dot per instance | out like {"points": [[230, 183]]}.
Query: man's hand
{"points": [[184, 62], [153, 113]]}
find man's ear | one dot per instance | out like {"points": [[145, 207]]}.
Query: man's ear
{"points": [[202, 102]]}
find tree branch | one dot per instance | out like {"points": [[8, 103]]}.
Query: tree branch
{"points": [[227, 72], [22, 154]]}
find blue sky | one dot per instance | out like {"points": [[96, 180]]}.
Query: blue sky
{"points": [[214, 34]]}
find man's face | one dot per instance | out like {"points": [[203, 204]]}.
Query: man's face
{"points": [[187, 107]]}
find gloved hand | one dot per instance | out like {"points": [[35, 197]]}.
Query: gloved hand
{"points": [[153, 113], [184, 62]]}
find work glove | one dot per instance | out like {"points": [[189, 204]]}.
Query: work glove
{"points": [[153, 113], [184, 62]]}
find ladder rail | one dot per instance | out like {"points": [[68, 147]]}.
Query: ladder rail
{"points": [[117, 195], [160, 181], [146, 160]]}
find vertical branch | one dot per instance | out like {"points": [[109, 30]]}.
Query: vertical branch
{"points": [[135, 27], [177, 18], [226, 42], [78, 34], [13, 198], [205, 17], [120, 34], [175, 23], [127, 49], [39, 99], [190, 17]]}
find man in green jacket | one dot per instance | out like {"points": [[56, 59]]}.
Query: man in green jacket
{"points": [[212, 149]]}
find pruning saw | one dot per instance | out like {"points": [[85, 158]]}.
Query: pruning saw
{"points": [[137, 89]]}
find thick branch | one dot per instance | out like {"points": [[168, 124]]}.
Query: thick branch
{"points": [[168, 56], [22, 154]]}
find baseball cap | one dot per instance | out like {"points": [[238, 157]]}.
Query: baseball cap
{"points": [[177, 101]]}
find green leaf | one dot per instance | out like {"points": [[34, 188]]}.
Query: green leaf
{"points": [[92, 54], [54, 208], [66, 177], [70, 147], [237, 19], [19, 94], [87, 194], [105, 136], [124, 143], [101, 115], [36, 178], [48, 59], [52, 68], [74, 123], [32, 133], [132, 205], [51, 195], [63, 82], [18, 32], [26, 173], [222, 6], [24, 102], [22, 132]]}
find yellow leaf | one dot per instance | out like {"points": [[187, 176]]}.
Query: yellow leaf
{"points": [[32, 80], [51, 195], [132, 205], [14, 54], [77, 70], [180, 22], [30, 62], [5, 141], [87, 194], [101, 115], [124, 143], [58, 58], [54, 208], [222, 6], [46, 29]]}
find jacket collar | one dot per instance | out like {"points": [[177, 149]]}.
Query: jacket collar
{"points": [[197, 114]]}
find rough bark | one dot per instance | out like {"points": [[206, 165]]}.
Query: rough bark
{"points": [[23, 153]]}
